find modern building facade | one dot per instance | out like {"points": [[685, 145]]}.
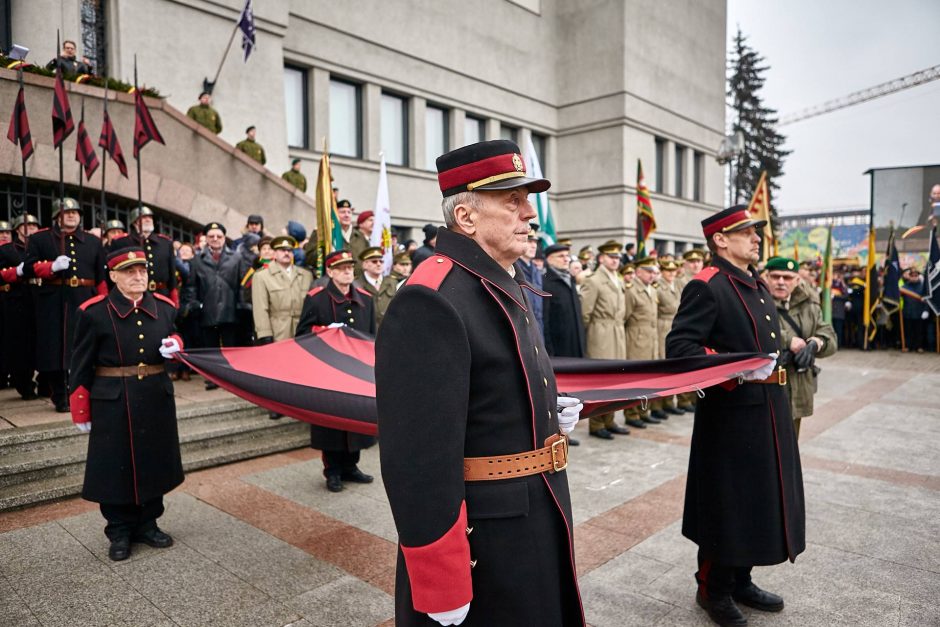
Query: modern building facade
{"points": [[596, 84]]}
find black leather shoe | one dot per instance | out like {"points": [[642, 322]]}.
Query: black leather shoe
{"points": [[62, 408], [155, 538], [273, 415], [573, 442], [675, 411], [619, 430], [357, 476], [120, 549], [752, 596], [721, 610], [211, 386], [636, 424], [659, 414], [603, 434], [649, 420], [334, 483], [689, 409]]}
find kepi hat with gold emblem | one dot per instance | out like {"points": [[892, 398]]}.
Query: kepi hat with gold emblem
{"points": [[485, 166], [373, 252], [127, 257], [731, 219], [610, 247], [694, 255], [402, 257], [338, 257]]}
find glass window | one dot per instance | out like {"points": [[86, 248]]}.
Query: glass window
{"points": [[660, 163], [435, 135], [473, 130], [508, 132], [698, 176], [539, 142], [295, 104], [345, 119], [680, 174], [394, 129]]}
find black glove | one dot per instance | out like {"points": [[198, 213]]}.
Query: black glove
{"points": [[261, 341], [785, 359], [807, 355]]}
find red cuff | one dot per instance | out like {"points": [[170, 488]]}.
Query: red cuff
{"points": [[317, 328], [8, 275], [80, 404], [102, 289], [43, 269], [175, 297], [440, 572]]}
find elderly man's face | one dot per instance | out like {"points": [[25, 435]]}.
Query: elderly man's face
{"points": [[342, 275], [70, 219], [284, 256], [935, 193], [501, 223], [373, 267], [782, 283], [575, 267], [131, 281], [215, 239], [560, 260], [145, 225], [646, 274], [345, 216]]}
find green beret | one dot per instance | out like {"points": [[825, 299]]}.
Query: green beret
{"points": [[783, 264]]}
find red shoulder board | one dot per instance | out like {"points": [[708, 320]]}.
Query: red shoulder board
{"points": [[707, 274], [363, 292], [164, 299], [164, 236], [41, 230], [91, 301], [431, 272], [315, 290]]}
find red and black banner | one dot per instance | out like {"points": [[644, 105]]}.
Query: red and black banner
{"points": [[112, 146], [19, 126], [62, 123], [145, 130], [327, 378], [85, 151]]}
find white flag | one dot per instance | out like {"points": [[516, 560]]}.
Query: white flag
{"points": [[540, 201], [382, 229]]}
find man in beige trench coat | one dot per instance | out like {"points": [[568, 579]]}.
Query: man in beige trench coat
{"points": [[641, 303]]}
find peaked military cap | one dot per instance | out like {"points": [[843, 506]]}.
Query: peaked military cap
{"points": [[127, 257], [668, 265], [693, 255], [564, 241], [283, 241], [5, 226], [731, 219], [373, 252], [214, 225], [646, 262], [485, 166], [610, 247], [403, 257], [344, 204], [556, 248], [338, 257]]}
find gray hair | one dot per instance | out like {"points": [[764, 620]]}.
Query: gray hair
{"points": [[449, 204]]}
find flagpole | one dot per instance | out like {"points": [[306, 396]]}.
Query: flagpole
{"points": [[104, 155], [207, 85], [19, 72], [137, 95], [81, 167], [58, 69]]}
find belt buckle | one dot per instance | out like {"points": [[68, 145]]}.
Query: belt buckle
{"points": [[74, 282], [781, 376], [152, 286], [141, 373], [562, 442]]}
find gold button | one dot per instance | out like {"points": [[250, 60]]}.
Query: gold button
{"points": [[773, 335], [549, 412], [141, 351], [439, 260], [150, 255], [545, 381], [762, 300], [81, 411], [81, 396], [768, 317], [140, 323], [527, 319], [140, 337], [536, 350]]}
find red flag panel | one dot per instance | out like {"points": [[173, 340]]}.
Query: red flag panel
{"points": [[62, 123]]}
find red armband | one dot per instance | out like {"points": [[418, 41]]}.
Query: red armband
{"points": [[43, 269], [80, 404], [8, 275]]}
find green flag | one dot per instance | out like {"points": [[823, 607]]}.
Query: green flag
{"points": [[826, 296]]}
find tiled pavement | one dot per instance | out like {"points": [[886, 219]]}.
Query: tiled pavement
{"points": [[262, 543]]}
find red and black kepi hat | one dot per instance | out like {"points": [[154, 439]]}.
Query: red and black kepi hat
{"points": [[485, 166], [338, 257], [731, 219], [126, 257]]}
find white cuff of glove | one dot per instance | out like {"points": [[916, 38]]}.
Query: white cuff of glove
{"points": [[84, 427], [763, 372], [453, 617], [336, 325], [19, 269], [923, 316], [169, 347], [569, 412], [61, 263]]}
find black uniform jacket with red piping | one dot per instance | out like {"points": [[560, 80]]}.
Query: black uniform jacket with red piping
{"points": [[161, 262], [744, 494], [324, 305], [461, 371], [133, 447], [18, 311], [56, 305]]}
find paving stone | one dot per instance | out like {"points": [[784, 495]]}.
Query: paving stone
{"points": [[346, 601], [45, 550], [921, 389]]}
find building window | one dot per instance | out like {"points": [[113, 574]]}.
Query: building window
{"points": [[435, 135], [680, 172], [698, 176], [94, 37], [473, 130], [295, 104], [508, 132], [539, 143], [345, 119], [394, 129], [660, 163]]}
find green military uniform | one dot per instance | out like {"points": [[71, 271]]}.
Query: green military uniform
{"points": [[356, 246], [206, 116], [296, 179], [253, 149]]}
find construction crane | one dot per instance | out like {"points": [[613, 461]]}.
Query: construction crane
{"points": [[858, 97]]}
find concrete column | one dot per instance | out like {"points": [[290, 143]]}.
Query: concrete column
{"points": [[689, 170], [371, 122], [417, 108], [522, 138], [318, 107], [492, 129], [456, 121], [669, 161]]}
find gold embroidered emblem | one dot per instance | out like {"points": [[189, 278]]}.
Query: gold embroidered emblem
{"points": [[132, 255], [517, 163]]}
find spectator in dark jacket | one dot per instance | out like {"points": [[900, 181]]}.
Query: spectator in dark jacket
{"points": [[915, 312], [564, 333], [532, 274], [426, 251]]}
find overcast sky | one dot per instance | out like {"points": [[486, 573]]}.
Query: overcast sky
{"points": [[818, 51]]}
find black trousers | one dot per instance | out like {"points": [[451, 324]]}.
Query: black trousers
{"points": [[220, 335], [915, 333], [719, 580], [127, 519], [339, 462], [58, 382]]}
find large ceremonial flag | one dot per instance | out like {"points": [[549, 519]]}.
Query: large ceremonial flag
{"points": [[890, 290], [331, 378], [382, 228], [645, 222], [932, 275], [871, 281], [540, 201], [19, 126], [84, 149], [329, 230], [826, 279], [145, 130], [246, 24], [62, 123], [111, 145], [759, 208]]}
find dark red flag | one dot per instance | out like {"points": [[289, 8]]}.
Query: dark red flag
{"points": [[19, 126], [111, 145], [85, 151], [62, 124], [144, 128]]}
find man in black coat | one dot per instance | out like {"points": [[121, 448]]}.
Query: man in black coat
{"points": [[564, 333], [161, 258], [19, 315], [119, 384], [464, 385], [744, 494], [339, 303], [66, 264]]}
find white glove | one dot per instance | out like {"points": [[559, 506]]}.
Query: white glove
{"points": [[61, 263], [19, 269], [84, 427], [763, 372], [923, 316], [848, 305], [453, 617], [569, 412], [336, 325], [169, 347]]}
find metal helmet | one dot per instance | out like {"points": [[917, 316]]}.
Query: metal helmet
{"points": [[110, 225], [24, 218], [5, 226], [136, 214], [65, 204]]}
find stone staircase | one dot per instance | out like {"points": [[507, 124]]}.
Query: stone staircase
{"points": [[47, 462]]}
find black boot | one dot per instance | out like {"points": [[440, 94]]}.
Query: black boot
{"points": [[120, 549], [357, 476], [752, 596], [721, 609]]}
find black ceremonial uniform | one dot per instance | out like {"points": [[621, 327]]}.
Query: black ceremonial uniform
{"points": [[564, 331], [462, 371], [323, 306], [744, 495], [133, 447], [161, 262], [19, 320], [59, 294]]}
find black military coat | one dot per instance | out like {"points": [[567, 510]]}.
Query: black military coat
{"points": [[461, 371], [58, 297], [18, 314], [323, 306], [744, 495], [161, 262], [133, 447], [217, 285], [564, 331]]}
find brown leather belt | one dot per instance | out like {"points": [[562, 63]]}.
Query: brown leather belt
{"points": [[154, 286], [73, 282], [551, 458], [779, 377], [140, 370]]}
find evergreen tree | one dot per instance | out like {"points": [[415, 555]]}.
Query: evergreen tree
{"points": [[763, 145]]}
